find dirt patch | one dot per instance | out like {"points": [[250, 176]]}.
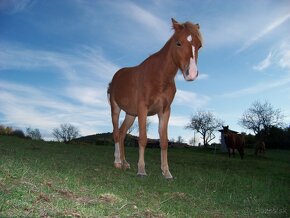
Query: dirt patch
{"points": [[108, 198], [148, 214]]}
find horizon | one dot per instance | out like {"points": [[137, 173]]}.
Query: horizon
{"points": [[57, 58]]}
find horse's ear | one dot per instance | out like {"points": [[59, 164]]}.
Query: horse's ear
{"points": [[197, 25], [176, 26]]}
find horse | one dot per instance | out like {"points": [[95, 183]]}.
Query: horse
{"points": [[234, 141], [149, 89], [260, 148]]}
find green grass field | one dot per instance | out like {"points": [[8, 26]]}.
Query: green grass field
{"points": [[47, 179]]}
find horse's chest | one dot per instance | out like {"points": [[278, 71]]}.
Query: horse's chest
{"points": [[159, 102]]}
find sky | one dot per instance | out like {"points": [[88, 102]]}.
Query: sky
{"points": [[57, 58]]}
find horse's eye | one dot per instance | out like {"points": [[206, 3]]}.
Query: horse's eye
{"points": [[178, 43]]}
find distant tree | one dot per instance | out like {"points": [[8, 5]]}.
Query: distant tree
{"points": [[205, 123], [33, 133], [18, 132], [5, 130], [135, 126], [260, 117], [65, 133], [172, 140], [192, 141], [179, 139]]}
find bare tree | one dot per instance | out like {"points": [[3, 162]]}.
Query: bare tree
{"points": [[33, 133], [135, 126], [65, 133], [260, 117], [205, 123]]}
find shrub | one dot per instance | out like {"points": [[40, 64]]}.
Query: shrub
{"points": [[19, 133]]}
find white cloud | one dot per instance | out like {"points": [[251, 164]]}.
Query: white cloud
{"points": [[190, 99], [264, 63], [258, 88], [155, 25], [178, 121], [283, 56], [24, 106], [15, 6], [243, 26], [267, 29], [80, 100], [77, 65]]}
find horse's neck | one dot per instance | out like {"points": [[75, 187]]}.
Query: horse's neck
{"points": [[162, 64]]}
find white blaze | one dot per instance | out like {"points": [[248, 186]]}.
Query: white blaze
{"points": [[192, 69], [189, 38], [117, 153]]}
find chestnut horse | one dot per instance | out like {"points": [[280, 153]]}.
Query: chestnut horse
{"points": [[149, 89], [234, 141]]}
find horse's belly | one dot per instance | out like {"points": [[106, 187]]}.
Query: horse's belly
{"points": [[128, 105]]}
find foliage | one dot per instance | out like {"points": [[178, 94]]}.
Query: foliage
{"points": [[33, 133], [278, 138], [50, 179], [65, 133], [18, 132], [250, 140], [5, 130], [261, 117], [205, 123]]}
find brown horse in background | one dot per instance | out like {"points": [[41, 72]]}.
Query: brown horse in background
{"points": [[234, 141], [260, 147], [149, 89]]}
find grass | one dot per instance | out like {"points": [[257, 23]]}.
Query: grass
{"points": [[47, 179]]}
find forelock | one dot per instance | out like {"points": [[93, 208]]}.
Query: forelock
{"points": [[194, 30]]}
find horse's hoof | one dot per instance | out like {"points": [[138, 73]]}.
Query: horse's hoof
{"points": [[141, 175], [126, 165], [167, 175], [118, 165]]}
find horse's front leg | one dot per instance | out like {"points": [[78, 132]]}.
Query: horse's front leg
{"points": [[142, 116], [163, 125]]}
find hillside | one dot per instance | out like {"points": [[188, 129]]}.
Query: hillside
{"points": [[130, 141], [49, 179]]}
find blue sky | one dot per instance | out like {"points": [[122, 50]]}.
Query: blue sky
{"points": [[57, 58]]}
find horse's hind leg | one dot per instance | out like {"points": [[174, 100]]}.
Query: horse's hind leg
{"points": [[115, 113], [127, 123]]}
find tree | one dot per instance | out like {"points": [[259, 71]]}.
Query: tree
{"points": [[65, 133], [33, 133], [135, 126], [18, 132], [205, 123], [260, 117], [192, 141], [179, 139]]}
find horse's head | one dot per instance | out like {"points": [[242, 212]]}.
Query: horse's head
{"points": [[226, 128], [226, 131], [187, 41]]}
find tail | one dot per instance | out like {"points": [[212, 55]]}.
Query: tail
{"points": [[109, 92]]}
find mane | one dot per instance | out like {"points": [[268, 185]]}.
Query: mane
{"points": [[194, 30]]}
